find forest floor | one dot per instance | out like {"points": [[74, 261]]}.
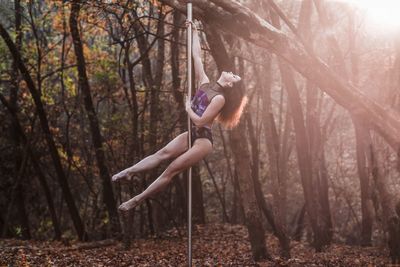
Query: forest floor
{"points": [[213, 245]]}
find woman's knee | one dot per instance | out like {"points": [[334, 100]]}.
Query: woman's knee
{"points": [[174, 148], [172, 170], [167, 176]]}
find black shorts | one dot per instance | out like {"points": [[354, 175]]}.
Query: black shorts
{"points": [[201, 132]]}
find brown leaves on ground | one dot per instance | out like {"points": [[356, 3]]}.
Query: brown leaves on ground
{"points": [[213, 245]]}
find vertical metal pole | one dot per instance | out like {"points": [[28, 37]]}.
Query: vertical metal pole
{"points": [[189, 68]]}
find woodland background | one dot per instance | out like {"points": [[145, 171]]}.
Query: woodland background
{"points": [[88, 88]]}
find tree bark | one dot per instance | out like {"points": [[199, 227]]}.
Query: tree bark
{"points": [[108, 195]]}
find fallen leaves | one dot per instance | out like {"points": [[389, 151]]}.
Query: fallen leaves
{"points": [[213, 245]]}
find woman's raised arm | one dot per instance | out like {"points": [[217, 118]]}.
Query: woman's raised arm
{"points": [[201, 76]]}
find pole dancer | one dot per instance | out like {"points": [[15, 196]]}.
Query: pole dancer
{"points": [[222, 101]]}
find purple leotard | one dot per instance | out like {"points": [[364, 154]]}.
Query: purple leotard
{"points": [[200, 102]]}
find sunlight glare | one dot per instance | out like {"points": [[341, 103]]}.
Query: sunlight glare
{"points": [[383, 13]]}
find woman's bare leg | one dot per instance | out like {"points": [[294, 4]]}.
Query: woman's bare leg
{"points": [[173, 149], [201, 148]]}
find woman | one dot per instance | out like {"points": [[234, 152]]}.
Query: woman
{"points": [[222, 101]]}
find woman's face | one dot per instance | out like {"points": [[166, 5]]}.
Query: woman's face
{"points": [[230, 78]]}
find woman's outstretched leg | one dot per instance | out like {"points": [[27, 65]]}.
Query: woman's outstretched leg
{"points": [[201, 148], [173, 149]]}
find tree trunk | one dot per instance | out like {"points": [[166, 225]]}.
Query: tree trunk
{"points": [[180, 189], [22, 214], [220, 196], [79, 227], [156, 111], [303, 147], [176, 81], [361, 135], [23, 218], [278, 183], [149, 83], [233, 178], [180, 207], [315, 135], [241, 156], [360, 129], [366, 200], [299, 224], [198, 203], [247, 191], [134, 107], [108, 195], [303, 153], [275, 216], [320, 174]]}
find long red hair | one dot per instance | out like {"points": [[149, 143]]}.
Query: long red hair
{"points": [[235, 101]]}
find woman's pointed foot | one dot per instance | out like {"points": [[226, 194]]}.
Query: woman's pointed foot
{"points": [[130, 204], [122, 175]]}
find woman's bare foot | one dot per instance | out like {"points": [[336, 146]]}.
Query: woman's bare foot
{"points": [[130, 204], [123, 175]]}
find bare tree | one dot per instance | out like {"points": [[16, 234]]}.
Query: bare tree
{"points": [[108, 195]]}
